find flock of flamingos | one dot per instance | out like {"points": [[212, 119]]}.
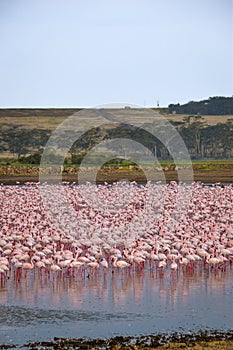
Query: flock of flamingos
{"points": [[119, 226]]}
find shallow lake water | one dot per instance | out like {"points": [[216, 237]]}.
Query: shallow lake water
{"points": [[102, 304]]}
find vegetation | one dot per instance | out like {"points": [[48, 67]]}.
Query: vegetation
{"points": [[213, 106], [202, 141], [20, 142], [205, 141]]}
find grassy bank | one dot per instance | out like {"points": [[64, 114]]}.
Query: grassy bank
{"points": [[203, 171], [14, 168]]}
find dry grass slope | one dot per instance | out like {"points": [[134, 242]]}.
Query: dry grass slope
{"points": [[212, 345], [50, 118]]}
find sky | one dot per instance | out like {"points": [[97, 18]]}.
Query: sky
{"points": [[85, 53]]}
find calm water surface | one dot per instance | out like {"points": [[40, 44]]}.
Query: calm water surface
{"points": [[40, 307]]}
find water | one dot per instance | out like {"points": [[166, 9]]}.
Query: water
{"points": [[85, 303], [105, 304]]}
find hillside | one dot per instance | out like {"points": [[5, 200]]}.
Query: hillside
{"points": [[24, 132]]}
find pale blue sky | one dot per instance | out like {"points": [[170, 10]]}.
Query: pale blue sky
{"points": [[83, 53]]}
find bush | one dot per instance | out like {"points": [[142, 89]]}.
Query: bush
{"points": [[119, 161], [76, 158], [36, 159], [31, 159]]}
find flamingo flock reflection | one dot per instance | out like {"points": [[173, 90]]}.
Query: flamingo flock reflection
{"points": [[119, 227], [124, 286]]}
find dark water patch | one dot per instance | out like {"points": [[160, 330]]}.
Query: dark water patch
{"points": [[15, 316]]}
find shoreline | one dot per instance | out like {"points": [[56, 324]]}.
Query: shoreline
{"points": [[204, 173], [203, 177]]}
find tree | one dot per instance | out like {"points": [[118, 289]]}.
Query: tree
{"points": [[217, 105]]}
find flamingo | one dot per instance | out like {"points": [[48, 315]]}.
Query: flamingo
{"points": [[55, 268], [122, 236], [76, 264], [93, 264], [162, 264], [174, 265], [28, 265], [104, 263], [120, 263]]}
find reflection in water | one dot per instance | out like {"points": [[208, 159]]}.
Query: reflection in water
{"points": [[123, 302]]}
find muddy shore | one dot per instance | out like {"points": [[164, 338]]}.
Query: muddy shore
{"points": [[202, 340], [207, 173]]}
